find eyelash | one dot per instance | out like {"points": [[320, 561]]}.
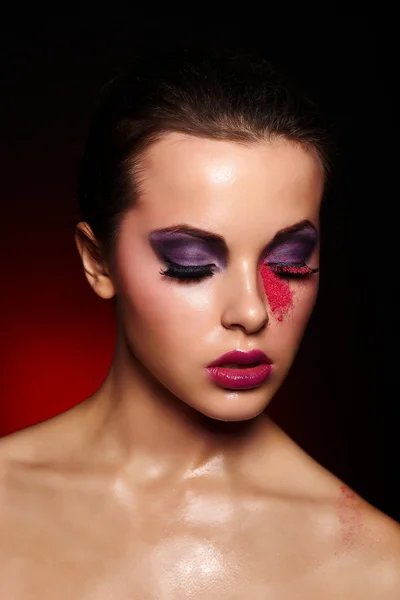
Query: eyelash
{"points": [[188, 274], [292, 270], [194, 274]]}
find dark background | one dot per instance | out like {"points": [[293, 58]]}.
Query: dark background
{"points": [[57, 337]]}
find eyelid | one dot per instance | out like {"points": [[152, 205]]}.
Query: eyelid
{"points": [[306, 235], [284, 253], [289, 248], [191, 259], [174, 265]]}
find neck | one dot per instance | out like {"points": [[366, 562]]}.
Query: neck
{"points": [[146, 429]]}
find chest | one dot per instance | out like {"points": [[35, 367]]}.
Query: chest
{"points": [[173, 564], [96, 550]]}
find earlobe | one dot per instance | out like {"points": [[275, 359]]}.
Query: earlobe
{"points": [[94, 266]]}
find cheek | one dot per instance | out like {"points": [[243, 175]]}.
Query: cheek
{"points": [[154, 303]]}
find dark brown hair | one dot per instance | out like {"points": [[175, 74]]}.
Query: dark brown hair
{"points": [[219, 95]]}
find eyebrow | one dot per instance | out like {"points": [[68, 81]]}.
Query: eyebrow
{"points": [[214, 238], [286, 232]]}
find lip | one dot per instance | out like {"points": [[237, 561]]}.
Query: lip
{"points": [[234, 378], [239, 357]]}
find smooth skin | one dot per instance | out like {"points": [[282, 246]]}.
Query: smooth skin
{"points": [[163, 485]]}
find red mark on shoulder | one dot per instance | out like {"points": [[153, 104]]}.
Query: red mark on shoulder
{"points": [[349, 512], [279, 294]]}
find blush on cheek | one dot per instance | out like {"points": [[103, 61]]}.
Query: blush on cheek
{"points": [[279, 294]]}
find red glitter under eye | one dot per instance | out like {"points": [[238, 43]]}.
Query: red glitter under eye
{"points": [[279, 294]]}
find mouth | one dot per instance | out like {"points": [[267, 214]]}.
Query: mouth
{"points": [[238, 366], [240, 370], [238, 359]]}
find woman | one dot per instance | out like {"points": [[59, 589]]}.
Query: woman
{"points": [[200, 196]]}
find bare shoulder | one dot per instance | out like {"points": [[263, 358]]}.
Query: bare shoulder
{"points": [[358, 544], [18, 452], [35, 463], [45, 440], [22, 450], [367, 546], [27, 451], [378, 546]]}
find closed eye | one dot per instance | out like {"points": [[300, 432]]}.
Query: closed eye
{"points": [[195, 273], [291, 270], [188, 274]]}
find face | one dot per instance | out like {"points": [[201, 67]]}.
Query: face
{"points": [[220, 254]]}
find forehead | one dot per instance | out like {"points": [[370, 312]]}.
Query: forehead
{"points": [[226, 187]]}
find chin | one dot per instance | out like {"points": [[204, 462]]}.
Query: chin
{"points": [[234, 409]]}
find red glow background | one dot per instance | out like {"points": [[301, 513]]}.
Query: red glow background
{"points": [[57, 337]]}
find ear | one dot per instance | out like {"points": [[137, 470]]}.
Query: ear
{"points": [[94, 265]]}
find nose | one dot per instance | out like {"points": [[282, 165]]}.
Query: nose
{"points": [[245, 302]]}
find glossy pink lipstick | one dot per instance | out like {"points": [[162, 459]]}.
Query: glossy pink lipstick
{"points": [[238, 370]]}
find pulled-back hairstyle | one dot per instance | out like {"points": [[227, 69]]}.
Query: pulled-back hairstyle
{"points": [[219, 95]]}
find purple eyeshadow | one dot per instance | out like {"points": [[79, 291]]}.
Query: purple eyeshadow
{"points": [[296, 248], [187, 250]]}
